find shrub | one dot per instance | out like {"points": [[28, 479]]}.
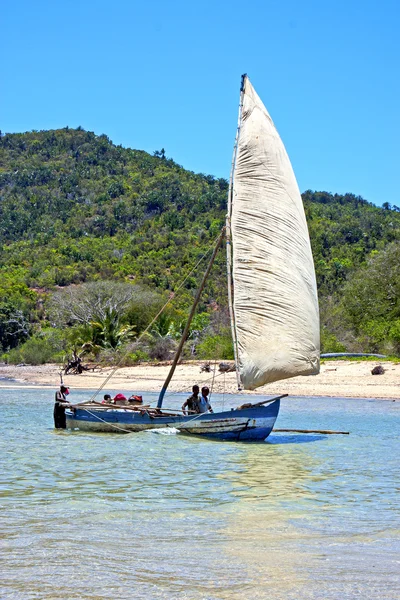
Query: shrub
{"points": [[135, 357], [121, 357], [216, 347], [330, 343], [40, 349], [162, 348]]}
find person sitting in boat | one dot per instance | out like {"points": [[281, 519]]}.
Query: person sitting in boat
{"points": [[192, 403], [134, 399], [60, 421], [106, 399], [203, 402], [119, 399]]}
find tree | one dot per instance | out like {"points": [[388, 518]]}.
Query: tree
{"points": [[14, 326], [91, 302], [100, 334], [372, 299]]}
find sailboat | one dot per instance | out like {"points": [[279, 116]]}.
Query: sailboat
{"points": [[271, 286]]}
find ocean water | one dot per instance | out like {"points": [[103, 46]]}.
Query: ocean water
{"points": [[150, 515]]}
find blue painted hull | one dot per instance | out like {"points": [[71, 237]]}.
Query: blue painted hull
{"points": [[252, 424]]}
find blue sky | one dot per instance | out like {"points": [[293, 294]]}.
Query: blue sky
{"points": [[167, 74]]}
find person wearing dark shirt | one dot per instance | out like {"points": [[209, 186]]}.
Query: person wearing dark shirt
{"points": [[192, 403], [60, 421]]}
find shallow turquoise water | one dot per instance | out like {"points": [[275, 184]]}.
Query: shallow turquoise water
{"points": [[166, 516]]}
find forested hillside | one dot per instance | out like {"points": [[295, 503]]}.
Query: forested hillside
{"points": [[74, 208]]}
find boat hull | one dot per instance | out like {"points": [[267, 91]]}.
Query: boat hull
{"points": [[249, 424]]}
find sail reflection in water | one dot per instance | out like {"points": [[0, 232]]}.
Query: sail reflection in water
{"points": [[267, 484]]}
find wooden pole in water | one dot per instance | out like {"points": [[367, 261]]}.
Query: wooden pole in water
{"points": [[186, 330], [324, 431]]}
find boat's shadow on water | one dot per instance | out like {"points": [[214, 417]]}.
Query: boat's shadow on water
{"points": [[273, 439], [278, 439]]}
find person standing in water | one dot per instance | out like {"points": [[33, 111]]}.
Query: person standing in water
{"points": [[60, 421]]}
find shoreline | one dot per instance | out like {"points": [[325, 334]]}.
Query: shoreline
{"points": [[338, 378]]}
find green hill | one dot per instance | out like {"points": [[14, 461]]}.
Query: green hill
{"points": [[76, 208]]}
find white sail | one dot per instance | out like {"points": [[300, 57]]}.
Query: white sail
{"points": [[275, 304]]}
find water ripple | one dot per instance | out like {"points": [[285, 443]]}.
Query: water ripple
{"points": [[154, 516]]}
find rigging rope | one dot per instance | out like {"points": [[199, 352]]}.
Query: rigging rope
{"points": [[210, 379], [213, 379], [117, 366]]}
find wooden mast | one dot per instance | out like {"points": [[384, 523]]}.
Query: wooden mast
{"points": [[186, 330]]}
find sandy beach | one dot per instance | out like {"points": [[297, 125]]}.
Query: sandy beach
{"points": [[351, 379]]}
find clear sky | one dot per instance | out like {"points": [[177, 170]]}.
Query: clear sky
{"points": [[166, 74]]}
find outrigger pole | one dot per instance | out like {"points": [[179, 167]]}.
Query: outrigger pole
{"points": [[186, 330]]}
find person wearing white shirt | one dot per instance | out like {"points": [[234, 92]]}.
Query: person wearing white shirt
{"points": [[203, 401]]}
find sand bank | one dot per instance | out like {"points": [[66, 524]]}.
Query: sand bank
{"points": [[337, 379]]}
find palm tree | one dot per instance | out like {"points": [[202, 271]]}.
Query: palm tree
{"points": [[101, 333]]}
